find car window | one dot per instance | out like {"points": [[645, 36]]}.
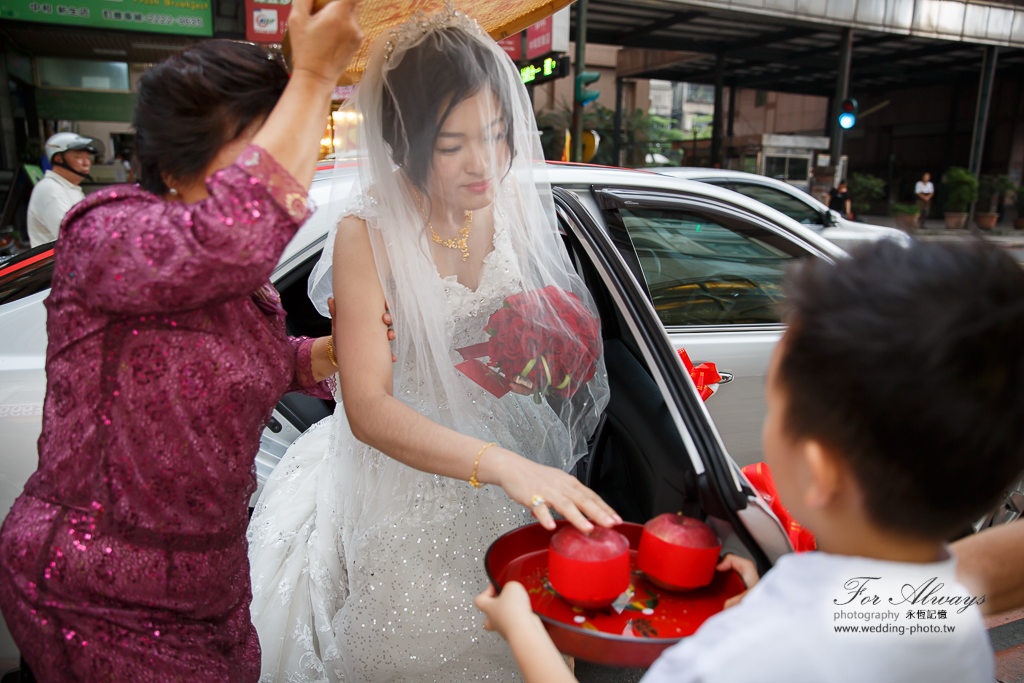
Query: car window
{"points": [[781, 201], [702, 272]]}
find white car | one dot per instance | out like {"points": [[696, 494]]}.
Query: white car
{"points": [[792, 201], [671, 263]]}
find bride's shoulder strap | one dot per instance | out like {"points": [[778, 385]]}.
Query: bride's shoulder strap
{"points": [[364, 206]]}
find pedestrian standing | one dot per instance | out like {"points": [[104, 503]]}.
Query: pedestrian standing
{"points": [[924, 190], [60, 188], [839, 200]]}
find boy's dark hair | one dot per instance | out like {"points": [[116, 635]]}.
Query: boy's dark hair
{"points": [[909, 362], [416, 102], [192, 104]]}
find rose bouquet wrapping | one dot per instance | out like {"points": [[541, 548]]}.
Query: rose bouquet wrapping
{"points": [[546, 340]]}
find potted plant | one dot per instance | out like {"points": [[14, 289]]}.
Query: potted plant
{"points": [[961, 190], [906, 215], [864, 189], [1018, 222], [991, 189]]}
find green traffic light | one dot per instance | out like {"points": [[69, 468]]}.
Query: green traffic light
{"points": [[584, 96]]}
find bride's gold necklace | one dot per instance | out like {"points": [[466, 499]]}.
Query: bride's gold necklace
{"points": [[458, 242]]}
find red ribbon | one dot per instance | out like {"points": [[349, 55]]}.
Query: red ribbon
{"points": [[478, 371], [702, 375], [760, 477]]}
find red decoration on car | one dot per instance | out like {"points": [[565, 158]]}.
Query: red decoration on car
{"points": [[760, 477], [703, 375]]}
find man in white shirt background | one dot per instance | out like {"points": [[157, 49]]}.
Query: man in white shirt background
{"points": [[924, 190], [59, 190]]}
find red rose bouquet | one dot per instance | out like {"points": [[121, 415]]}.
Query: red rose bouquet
{"points": [[545, 340]]}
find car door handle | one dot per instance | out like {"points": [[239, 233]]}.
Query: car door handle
{"points": [[726, 377]]}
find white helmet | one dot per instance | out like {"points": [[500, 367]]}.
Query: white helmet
{"points": [[66, 142]]}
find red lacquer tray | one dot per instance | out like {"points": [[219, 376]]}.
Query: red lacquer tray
{"points": [[634, 631]]}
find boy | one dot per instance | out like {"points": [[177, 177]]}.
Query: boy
{"points": [[894, 419]]}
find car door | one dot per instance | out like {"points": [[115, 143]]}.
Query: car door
{"points": [[656, 449], [713, 273]]}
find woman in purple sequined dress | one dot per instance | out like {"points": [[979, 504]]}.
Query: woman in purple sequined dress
{"points": [[124, 559]]}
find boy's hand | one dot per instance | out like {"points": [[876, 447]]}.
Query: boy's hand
{"points": [[505, 612], [747, 571]]}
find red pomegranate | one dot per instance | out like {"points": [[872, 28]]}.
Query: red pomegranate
{"points": [[678, 552], [588, 570]]}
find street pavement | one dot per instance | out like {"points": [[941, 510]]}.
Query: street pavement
{"points": [[935, 231]]}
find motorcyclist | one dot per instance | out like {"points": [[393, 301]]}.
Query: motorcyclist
{"points": [[59, 190]]}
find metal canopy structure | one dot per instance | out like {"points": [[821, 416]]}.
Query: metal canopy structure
{"points": [[780, 53]]}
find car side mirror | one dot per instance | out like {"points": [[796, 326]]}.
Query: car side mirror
{"points": [[830, 219]]}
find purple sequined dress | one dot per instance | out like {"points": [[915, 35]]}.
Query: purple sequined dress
{"points": [[124, 559]]}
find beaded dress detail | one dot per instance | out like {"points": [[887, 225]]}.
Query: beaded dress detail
{"points": [[365, 569], [125, 557]]}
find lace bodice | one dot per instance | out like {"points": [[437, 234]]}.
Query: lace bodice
{"points": [[499, 277], [469, 309]]}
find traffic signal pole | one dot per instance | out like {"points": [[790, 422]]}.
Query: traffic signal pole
{"points": [[842, 92], [581, 64], [981, 111]]}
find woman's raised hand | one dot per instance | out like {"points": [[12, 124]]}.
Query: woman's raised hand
{"points": [[322, 46], [539, 487], [324, 42]]}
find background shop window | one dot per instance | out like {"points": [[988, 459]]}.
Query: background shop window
{"points": [[69, 73]]}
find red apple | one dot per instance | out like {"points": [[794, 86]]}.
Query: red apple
{"points": [[679, 529], [588, 571], [600, 544], [677, 552]]}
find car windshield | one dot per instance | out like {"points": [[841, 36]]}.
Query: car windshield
{"points": [[783, 202]]}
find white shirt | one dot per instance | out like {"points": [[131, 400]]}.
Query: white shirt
{"points": [[52, 198], [786, 630], [924, 188]]}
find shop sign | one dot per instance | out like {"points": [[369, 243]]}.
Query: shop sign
{"points": [[548, 35], [266, 20], [513, 46], [546, 69], [186, 17]]}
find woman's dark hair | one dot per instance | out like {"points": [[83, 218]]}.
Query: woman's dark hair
{"points": [[194, 103], [446, 68], [909, 363]]}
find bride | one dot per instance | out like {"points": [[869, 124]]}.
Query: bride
{"points": [[367, 545]]}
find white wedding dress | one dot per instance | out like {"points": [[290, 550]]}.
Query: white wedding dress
{"points": [[364, 569]]}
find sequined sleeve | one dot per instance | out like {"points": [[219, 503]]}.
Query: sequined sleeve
{"points": [[134, 253], [303, 381]]}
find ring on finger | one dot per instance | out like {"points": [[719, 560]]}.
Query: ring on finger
{"points": [[537, 500]]}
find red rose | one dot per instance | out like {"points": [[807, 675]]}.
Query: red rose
{"points": [[552, 331]]}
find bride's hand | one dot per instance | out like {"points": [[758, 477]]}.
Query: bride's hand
{"points": [[525, 481]]}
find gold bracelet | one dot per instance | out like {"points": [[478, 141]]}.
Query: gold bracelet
{"points": [[330, 350], [474, 482]]}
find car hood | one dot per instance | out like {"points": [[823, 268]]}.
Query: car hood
{"points": [[848, 234]]}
